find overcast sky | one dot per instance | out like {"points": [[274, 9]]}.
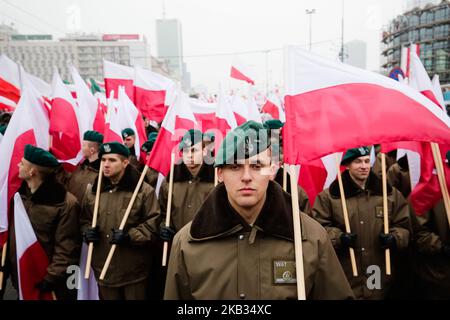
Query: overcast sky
{"points": [[212, 27]]}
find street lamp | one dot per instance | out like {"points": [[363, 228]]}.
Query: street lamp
{"points": [[310, 12]]}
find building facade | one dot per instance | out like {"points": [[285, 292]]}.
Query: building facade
{"points": [[427, 25], [40, 54]]}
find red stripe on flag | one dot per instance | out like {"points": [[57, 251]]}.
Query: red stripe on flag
{"points": [[9, 91], [113, 84], [151, 103], [236, 74]]}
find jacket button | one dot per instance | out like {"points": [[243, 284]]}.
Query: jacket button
{"points": [[110, 191], [107, 235], [189, 206], [190, 181], [362, 222], [363, 249], [241, 237], [242, 296]]}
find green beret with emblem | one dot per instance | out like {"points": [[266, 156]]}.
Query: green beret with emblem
{"points": [[40, 157], [128, 132], [93, 136], [190, 138], [274, 124], [245, 141], [114, 148], [152, 136], [353, 154]]}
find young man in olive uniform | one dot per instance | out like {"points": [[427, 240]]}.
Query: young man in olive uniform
{"points": [[364, 198], [129, 139], [126, 278], [152, 174], [86, 172], [54, 216], [240, 244]]}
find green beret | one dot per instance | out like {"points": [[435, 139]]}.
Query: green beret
{"points": [[3, 128], [245, 141], [190, 138], [93, 136], [114, 148], [354, 153], [40, 157], [127, 132], [147, 146], [209, 136], [152, 136], [273, 124]]}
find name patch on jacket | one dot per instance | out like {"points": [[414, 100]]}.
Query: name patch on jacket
{"points": [[284, 272]]}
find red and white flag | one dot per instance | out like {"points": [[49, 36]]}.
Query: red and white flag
{"points": [[29, 125], [9, 84], [331, 107], [118, 75], [32, 261], [65, 124], [205, 114], [253, 111], [178, 120], [437, 90], [240, 109], [113, 129], [274, 107], [153, 93], [225, 118], [241, 71], [130, 117]]}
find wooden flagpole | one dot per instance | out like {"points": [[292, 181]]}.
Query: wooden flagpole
{"points": [[123, 222], [87, 271], [387, 252], [301, 293], [3, 261], [285, 178], [169, 208], [216, 178], [346, 220], [441, 177]]}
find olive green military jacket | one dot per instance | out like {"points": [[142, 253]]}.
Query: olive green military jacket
{"points": [[131, 262], [365, 210], [83, 175], [220, 256], [188, 193]]}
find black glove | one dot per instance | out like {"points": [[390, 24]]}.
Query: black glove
{"points": [[348, 240], [446, 250], [119, 237], [387, 240], [166, 233], [91, 235], [45, 286]]}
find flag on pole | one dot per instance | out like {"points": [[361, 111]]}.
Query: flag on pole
{"points": [[240, 71], [118, 75], [331, 107], [9, 83]]}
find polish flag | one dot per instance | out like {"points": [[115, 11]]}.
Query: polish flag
{"points": [[118, 75], [113, 130], [152, 93], [32, 261], [178, 120], [273, 106], [29, 125], [331, 107], [240, 109], [102, 110], [205, 114], [419, 79], [9, 84], [130, 117], [241, 71], [253, 111], [225, 118], [438, 91], [65, 124], [87, 103], [41, 86]]}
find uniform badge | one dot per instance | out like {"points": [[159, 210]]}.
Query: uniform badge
{"points": [[125, 135], [362, 151], [107, 148], [284, 272]]}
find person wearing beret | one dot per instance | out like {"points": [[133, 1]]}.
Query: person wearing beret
{"points": [[152, 174], [432, 245], [126, 278], [54, 216], [193, 180], [87, 171], [240, 244], [364, 198], [129, 139], [2, 130]]}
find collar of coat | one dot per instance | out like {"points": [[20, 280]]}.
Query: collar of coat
{"points": [[128, 182], [50, 192], [92, 165], [351, 189], [181, 173], [216, 218]]}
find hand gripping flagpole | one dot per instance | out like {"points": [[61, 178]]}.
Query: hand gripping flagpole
{"points": [[385, 211], [94, 221], [124, 221], [345, 212], [301, 293], [169, 208], [3, 261]]}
